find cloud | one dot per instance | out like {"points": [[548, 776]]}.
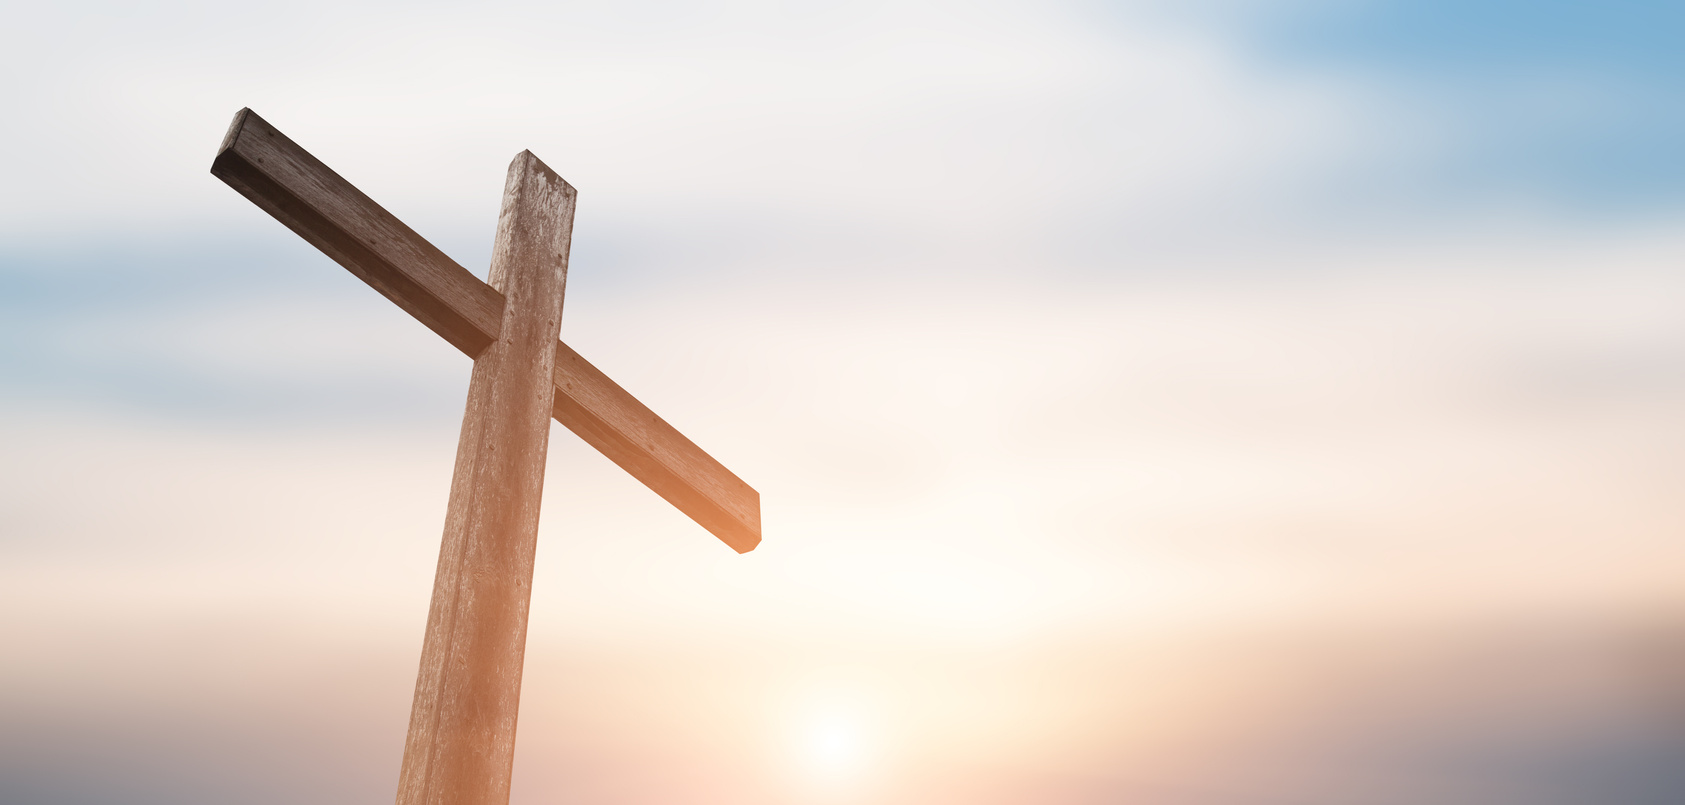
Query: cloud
{"points": [[1044, 333], [898, 122]]}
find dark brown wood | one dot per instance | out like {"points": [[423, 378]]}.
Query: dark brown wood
{"points": [[461, 744], [325, 209]]}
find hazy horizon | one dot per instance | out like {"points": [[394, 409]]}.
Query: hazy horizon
{"points": [[1229, 403]]}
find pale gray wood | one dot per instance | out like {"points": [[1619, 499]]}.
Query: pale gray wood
{"points": [[461, 744], [301, 192]]}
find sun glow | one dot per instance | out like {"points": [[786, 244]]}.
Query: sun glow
{"points": [[834, 747], [833, 740]]}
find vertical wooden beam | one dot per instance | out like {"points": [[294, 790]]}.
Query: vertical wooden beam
{"points": [[461, 744]]}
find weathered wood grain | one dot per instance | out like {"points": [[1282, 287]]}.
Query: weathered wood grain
{"points": [[461, 744], [326, 210]]}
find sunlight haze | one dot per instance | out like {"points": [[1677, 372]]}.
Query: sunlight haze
{"points": [[1227, 403]]}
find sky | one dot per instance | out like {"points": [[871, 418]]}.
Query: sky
{"points": [[1235, 402]]}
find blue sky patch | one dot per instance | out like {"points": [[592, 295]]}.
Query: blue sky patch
{"points": [[1578, 103]]}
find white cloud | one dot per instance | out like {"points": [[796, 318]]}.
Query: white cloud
{"points": [[940, 122]]}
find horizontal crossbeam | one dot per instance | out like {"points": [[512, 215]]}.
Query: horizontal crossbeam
{"points": [[326, 210]]}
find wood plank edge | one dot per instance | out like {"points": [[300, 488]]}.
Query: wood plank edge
{"points": [[234, 128]]}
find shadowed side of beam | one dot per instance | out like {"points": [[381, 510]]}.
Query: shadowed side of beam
{"points": [[310, 199], [324, 209]]}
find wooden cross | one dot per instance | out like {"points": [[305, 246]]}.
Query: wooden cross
{"points": [[461, 744]]}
